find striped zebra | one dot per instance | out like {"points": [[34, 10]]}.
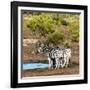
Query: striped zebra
{"points": [[65, 62], [57, 57]]}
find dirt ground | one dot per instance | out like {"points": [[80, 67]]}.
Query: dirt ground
{"points": [[72, 69]]}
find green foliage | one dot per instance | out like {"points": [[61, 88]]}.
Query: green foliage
{"points": [[75, 36], [42, 24], [74, 29], [54, 28], [64, 22], [56, 38], [67, 43], [26, 24], [56, 18]]}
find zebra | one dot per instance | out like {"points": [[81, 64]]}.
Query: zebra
{"points": [[54, 55], [66, 57]]}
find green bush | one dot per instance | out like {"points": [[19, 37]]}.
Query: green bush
{"points": [[54, 28], [64, 22], [42, 24], [74, 29], [55, 38], [75, 36], [67, 43]]}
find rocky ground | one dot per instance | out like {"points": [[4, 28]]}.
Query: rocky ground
{"points": [[72, 69]]}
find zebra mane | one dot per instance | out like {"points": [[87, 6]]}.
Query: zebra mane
{"points": [[47, 49]]}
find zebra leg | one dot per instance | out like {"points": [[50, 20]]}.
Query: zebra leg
{"points": [[67, 62], [50, 62], [60, 62], [63, 62], [57, 63]]}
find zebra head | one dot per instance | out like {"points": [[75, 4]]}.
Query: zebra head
{"points": [[68, 52], [43, 49]]}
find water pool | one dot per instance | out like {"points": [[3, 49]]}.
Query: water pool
{"points": [[27, 66]]}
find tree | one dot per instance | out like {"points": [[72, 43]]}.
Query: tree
{"points": [[74, 28], [42, 25], [55, 38], [55, 28]]}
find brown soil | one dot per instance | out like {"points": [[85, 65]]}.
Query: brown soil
{"points": [[72, 69]]}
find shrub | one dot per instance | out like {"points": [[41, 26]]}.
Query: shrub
{"points": [[55, 38], [54, 28], [42, 24], [67, 43], [64, 22]]}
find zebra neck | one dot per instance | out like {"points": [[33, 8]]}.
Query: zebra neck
{"points": [[46, 49]]}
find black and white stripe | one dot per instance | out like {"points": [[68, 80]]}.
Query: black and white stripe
{"points": [[57, 57]]}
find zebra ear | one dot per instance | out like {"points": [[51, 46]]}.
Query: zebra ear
{"points": [[42, 45]]}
